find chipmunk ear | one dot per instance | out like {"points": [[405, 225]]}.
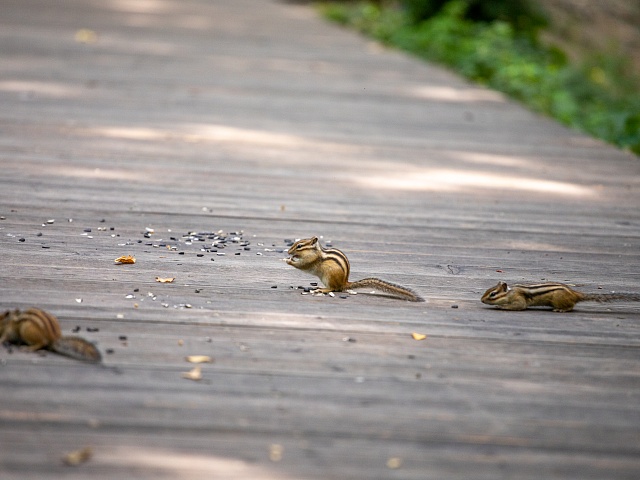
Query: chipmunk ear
{"points": [[503, 286], [314, 240]]}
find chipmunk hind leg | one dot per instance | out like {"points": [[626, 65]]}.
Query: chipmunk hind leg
{"points": [[333, 278], [32, 337], [563, 302], [563, 305]]}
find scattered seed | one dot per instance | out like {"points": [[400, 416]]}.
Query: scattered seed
{"points": [[21, 239], [275, 452], [394, 463], [198, 359], [165, 280], [194, 374], [77, 457]]}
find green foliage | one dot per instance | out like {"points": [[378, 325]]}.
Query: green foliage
{"points": [[521, 14], [594, 98]]}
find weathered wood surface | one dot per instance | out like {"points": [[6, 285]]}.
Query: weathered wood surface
{"points": [[255, 116]]}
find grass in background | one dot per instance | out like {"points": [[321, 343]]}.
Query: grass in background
{"points": [[597, 97]]}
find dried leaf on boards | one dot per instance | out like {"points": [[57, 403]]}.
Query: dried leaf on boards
{"points": [[125, 259]]}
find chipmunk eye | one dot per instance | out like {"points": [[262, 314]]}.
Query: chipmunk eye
{"points": [[299, 246], [492, 294]]}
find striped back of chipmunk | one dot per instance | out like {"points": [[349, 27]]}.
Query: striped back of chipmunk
{"points": [[541, 288], [532, 290], [335, 255], [47, 322], [499, 294]]}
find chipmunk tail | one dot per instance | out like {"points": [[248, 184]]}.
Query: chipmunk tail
{"points": [[77, 348], [611, 297], [387, 287]]}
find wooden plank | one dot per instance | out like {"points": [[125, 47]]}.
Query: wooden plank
{"points": [[256, 117]]}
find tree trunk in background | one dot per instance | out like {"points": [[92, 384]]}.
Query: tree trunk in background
{"points": [[583, 27]]}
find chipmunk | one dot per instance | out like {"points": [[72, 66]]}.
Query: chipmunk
{"points": [[556, 295], [332, 267], [39, 329]]}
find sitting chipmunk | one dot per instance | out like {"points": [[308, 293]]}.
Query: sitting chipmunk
{"points": [[332, 267], [39, 329], [556, 295]]}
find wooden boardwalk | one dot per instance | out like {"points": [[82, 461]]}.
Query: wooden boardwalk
{"points": [[257, 119]]}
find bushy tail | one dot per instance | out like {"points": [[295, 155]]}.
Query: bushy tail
{"points": [[77, 348], [387, 287], [610, 297]]}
